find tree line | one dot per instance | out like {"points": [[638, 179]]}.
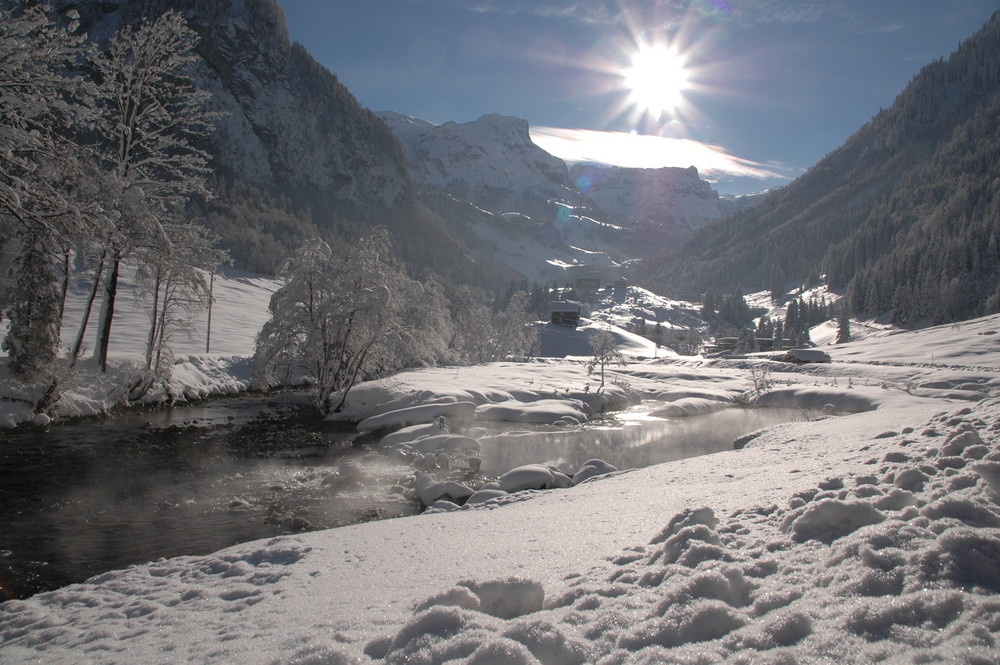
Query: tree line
{"points": [[99, 158], [102, 170]]}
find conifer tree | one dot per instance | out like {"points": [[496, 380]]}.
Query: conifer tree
{"points": [[843, 327], [32, 341]]}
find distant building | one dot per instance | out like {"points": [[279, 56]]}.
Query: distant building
{"points": [[565, 313], [589, 280]]}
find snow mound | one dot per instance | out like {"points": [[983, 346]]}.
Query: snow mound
{"points": [[420, 414], [533, 477], [593, 468], [689, 406], [544, 411]]}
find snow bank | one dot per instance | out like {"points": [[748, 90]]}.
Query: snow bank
{"points": [[544, 411], [871, 537], [825, 398], [689, 406], [421, 414]]}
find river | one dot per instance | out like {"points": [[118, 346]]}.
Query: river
{"points": [[83, 498]]}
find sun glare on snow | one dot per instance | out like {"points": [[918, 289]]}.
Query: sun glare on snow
{"points": [[656, 80]]}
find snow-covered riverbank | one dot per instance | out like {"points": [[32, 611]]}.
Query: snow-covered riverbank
{"points": [[860, 538]]}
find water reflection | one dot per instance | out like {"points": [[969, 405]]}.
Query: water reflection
{"points": [[81, 499], [632, 440]]}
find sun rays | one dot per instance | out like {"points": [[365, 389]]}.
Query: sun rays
{"points": [[656, 80]]}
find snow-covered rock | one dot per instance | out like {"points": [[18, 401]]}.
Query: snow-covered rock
{"points": [[675, 198], [431, 490], [543, 411], [529, 476], [490, 162], [592, 469], [420, 414]]}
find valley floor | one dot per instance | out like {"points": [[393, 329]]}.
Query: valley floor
{"points": [[872, 536]]}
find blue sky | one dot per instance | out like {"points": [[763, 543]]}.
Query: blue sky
{"points": [[767, 87]]}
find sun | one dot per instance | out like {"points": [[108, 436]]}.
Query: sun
{"points": [[656, 80]]}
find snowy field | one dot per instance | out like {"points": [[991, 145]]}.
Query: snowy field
{"points": [[866, 537]]}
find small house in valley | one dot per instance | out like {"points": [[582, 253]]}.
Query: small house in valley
{"points": [[565, 313]]}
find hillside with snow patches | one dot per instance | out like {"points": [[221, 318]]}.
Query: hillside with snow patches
{"points": [[674, 198], [528, 210], [866, 532]]}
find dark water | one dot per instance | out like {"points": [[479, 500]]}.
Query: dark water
{"points": [[81, 499]]}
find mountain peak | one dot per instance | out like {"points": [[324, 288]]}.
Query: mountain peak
{"points": [[490, 161]]}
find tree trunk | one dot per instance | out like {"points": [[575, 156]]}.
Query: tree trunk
{"points": [[67, 256], [162, 328], [151, 340], [88, 308], [211, 296], [107, 315]]}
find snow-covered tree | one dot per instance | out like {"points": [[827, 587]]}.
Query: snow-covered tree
{"points": [[747, 342], [176, 280], [42, 212], [337, 320], [514, 330], [152, 118], [602, 345], [481, 335], [692, 342], [32, 341], [843, 327], [40, 105]]}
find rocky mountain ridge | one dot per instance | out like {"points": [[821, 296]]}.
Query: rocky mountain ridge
{"points": [[293, 132], [676, 198]]}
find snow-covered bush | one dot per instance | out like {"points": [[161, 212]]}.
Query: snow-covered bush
{"points": [[339, 321]]}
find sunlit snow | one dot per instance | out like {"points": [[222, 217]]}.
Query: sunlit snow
{"points": [[867, 537]]}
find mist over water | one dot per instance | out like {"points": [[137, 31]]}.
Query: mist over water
{"points": [[630, 440], [83, 498]]}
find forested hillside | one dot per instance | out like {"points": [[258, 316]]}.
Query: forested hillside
{"points": [[293, 153], [904, 215]]}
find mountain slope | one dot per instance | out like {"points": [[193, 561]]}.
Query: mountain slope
{"points": [[671, 197], [834, 217], [289, 124], [490, 162], [293, 138]]}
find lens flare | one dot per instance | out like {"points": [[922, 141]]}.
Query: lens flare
{"points": [[656, 80]]}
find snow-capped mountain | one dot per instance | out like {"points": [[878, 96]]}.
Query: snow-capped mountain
{"points": [[675, 198], [490, 162], [289, 125], [730, 204], [292, 130], [529, 211]]}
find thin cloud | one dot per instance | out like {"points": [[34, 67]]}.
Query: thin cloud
{"points": [[643, 151], [656, 15]]}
